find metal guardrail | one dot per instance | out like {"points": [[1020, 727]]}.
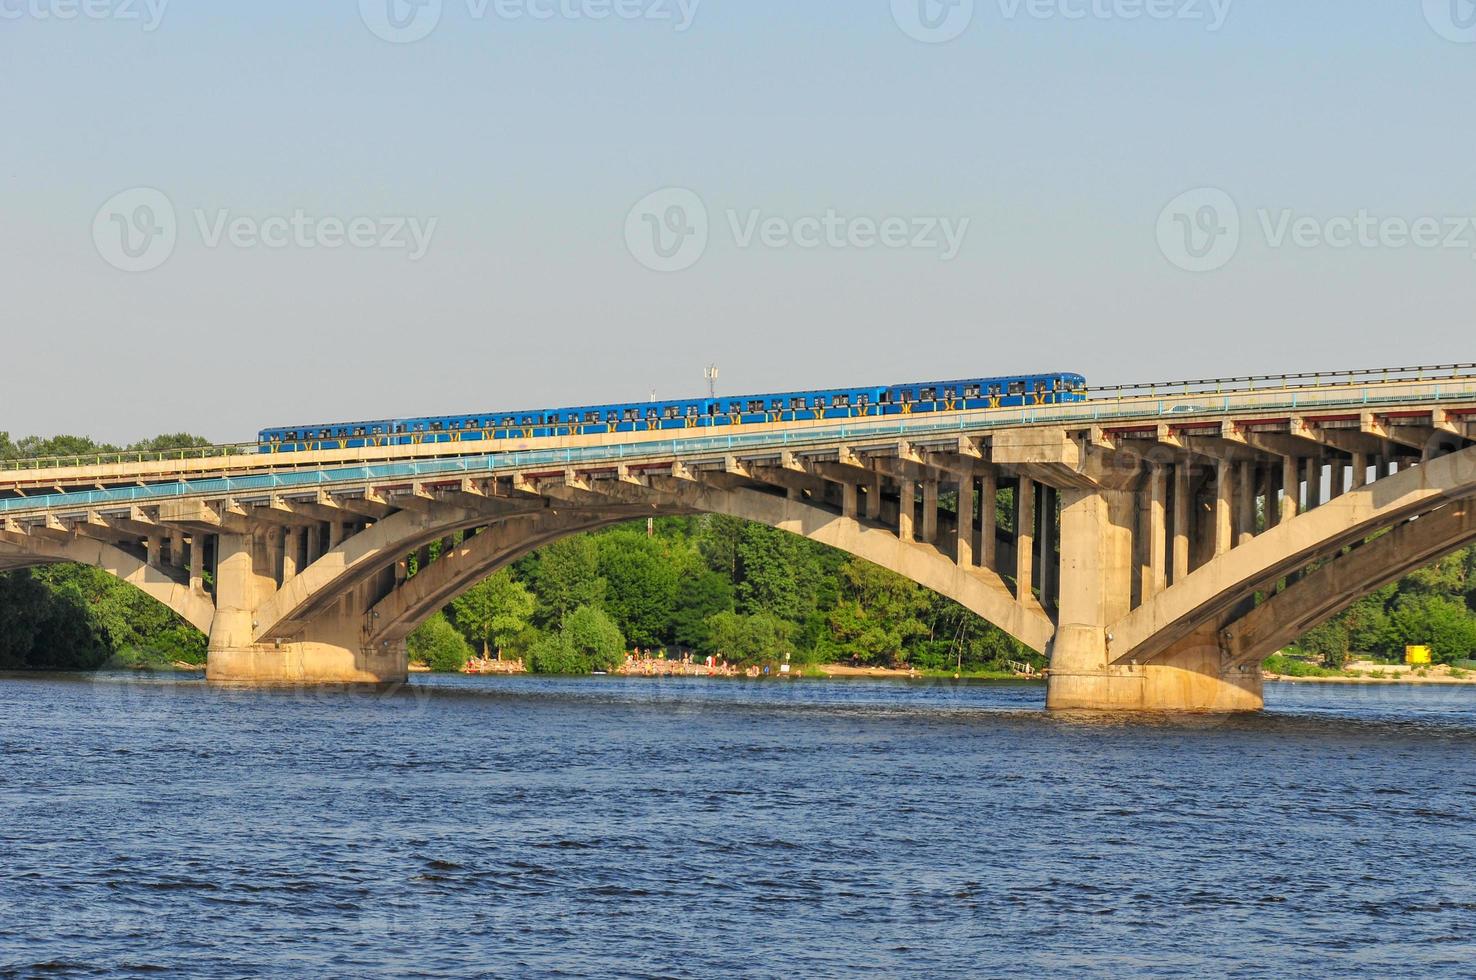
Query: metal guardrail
{"points": [[1289, 382], [1219, 386], [676, 448]]}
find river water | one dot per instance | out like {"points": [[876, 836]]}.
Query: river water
{"points": [[608, 827]]}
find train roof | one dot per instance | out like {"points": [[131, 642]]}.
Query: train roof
{"points": [[699, 399]]}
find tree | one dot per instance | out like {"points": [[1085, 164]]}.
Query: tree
{"points": [[439, 646], [705, 594], [565, 576], [494, 611], [590, 640], [641, 585], [593, 636], [878, 615], [750, 639]]}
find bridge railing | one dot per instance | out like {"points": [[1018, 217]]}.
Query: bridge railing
{"points": [[1364, 384], [129, 456], [1288, 382], [314, 477]]}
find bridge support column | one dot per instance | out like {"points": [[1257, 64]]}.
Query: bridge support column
{"points": [[1096, 590], [331, 649]]}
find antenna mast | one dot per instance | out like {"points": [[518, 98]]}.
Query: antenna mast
{"points": [[711, 374]]}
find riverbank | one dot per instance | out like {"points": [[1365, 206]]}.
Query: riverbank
{"points": [[1367, 672]]}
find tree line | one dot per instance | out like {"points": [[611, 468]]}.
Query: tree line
{"points": [[708, 584]]}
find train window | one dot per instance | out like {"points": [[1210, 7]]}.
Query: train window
{"points": [[436, 426], [862, 400], [994, 389], [885, 398], [819, 402], [359, 431], [612, 416], [671, 411], [971, 391], [1017, 387], [630, 415], [928, 394], [292, 436], [1040, 386], [755, 406], [527, 420], [837, 401], [777, 405], [906, 394], [691, 411], [652, 415], [796, 404], [949, 394]]}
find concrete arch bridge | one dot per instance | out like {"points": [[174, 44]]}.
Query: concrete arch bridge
{"points": [[1155, 546]]}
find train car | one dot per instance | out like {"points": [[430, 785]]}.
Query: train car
{"points": [[916, 398]]}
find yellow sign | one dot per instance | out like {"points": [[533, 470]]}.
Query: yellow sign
{"points": [[1416, 655]]}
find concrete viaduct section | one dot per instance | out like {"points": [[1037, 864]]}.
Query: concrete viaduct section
{"points": [[1155, 561]]}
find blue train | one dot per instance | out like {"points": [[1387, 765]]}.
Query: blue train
{"points": [[689, 413]]}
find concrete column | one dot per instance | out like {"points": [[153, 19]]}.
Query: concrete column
{"points": [[1024, 539], [335, 534], [906, 508], [1224, 501], [1360, 470], [930, 511], [1096, 563], [1158, 531], [1182, 517], [1269, 477], [1246, 496], [873, 499], [849, 495], [197, 564], [291, 554], [1314, 483], [314, 544], [988, 520], [1046, 562], [272, 544], [155, 548], [1291, 488], [1341, 479], [177, 549], [964, 552]]}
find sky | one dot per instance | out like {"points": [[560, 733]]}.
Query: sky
{"points": [[224, 216]]}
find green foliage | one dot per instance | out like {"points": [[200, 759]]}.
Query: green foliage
{"points": [[494, 611], [1290, 667], [747, 640], [564, 576], [439, 646], [589, 641], [640, 583], [878, 616], [1328, 641]]}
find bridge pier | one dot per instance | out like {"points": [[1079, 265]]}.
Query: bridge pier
{"points": [[330, 649], [1097, 530]]}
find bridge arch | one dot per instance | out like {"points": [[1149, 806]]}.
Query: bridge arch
{"points": [[978, 590], [21, 551]]}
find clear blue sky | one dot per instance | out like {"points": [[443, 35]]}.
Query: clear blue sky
{"points": [[529, 141]]}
